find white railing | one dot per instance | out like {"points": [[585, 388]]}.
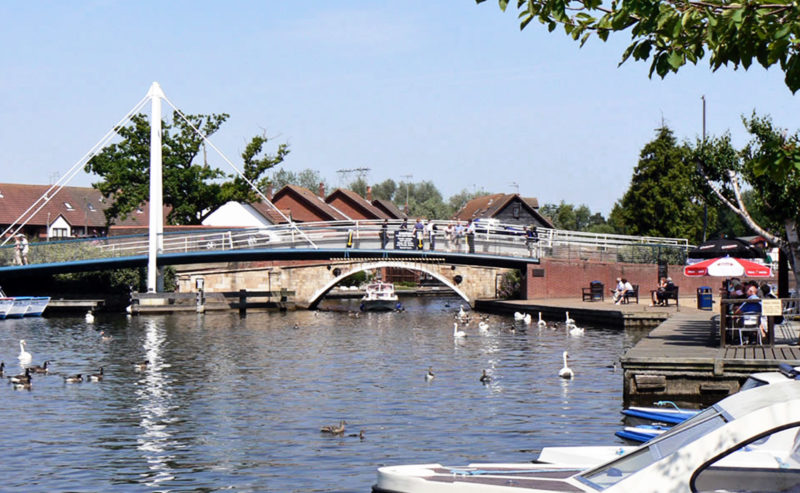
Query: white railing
{"points": [[492, 238]]}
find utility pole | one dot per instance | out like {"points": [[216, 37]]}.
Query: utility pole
{"points": [[705, 202], [515, 185]]}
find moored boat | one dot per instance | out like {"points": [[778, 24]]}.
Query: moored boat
{"points": [[743, 443], [379, 296], [37, 306], [19, 306], [22, 306]]}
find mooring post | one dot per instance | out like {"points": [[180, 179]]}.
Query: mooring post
{"points": [[242, 302]]}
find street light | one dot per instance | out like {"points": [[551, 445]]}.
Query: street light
{"points": [[407, 177]]}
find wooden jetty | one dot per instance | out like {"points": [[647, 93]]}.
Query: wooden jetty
{"points": [[680, 359], [201, 301]]}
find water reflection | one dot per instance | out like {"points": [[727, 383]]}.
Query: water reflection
{"points": [[155, 403]]}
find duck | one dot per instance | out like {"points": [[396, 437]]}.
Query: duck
{"points": [[141, 366], [22, 385], [541, 322], [458, 333], [334, 429], [566, 371], [429, 376], [104, 337], [24, 356], [89, 317], [485, 379], [359, 435], [74, 378], [2, 367], [96, 377], [40, 369], [22, 377], [483, 327]]}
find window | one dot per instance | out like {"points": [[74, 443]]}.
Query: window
{"points": [[69, 206], [515, 211], [90, 206]]}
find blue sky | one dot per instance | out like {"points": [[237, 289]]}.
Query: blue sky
{"points": [[450, 92]]}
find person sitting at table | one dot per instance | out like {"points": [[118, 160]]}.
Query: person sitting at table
{"points": [[750, 308]]}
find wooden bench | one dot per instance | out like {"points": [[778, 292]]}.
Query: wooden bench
{"points": [[594, 292], [668, 294], [626, 298]]}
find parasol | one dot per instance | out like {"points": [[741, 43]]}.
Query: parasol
{"points": [[727, 267]]}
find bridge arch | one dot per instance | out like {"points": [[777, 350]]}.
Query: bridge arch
{"points": [[361, 267]]}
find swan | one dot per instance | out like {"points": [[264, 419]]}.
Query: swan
{"points": [[24, 356], [89, 317], [461, 312], [485, 378], [541, 323], [74, 378], [429, 376], [576, 331], [569, 321], [96, 377], [458, 333], [483, 327], [566, 372], [518, 316], [528, 319]]}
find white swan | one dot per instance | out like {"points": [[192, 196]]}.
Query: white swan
{"points": [[569, 321], [528, 319], [458, 333], [89, 317], [24, 356], [518, 316], [461, 312], [541, 323], [566, 372], [576, 331], [483, 327]]}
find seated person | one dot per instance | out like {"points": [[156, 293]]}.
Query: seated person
{"points": [[618, 290], [657, 293], [750, 308], [626, 288]]}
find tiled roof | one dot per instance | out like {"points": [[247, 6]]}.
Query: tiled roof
{"points": [[80, 206], [358, 201], [269, 212], [488, 206], [311, 200], [388, 207]]}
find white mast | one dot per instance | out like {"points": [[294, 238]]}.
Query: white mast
{"points": [[156, 227]]}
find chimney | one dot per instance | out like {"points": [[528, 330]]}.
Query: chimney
{"points": [[369, 194], [322, 189], [269, 192]]}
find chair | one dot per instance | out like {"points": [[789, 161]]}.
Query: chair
{"points": [[626, 298], [751, 322]]}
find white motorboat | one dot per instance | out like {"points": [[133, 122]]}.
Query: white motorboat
{"points": [[5, 306], [749, 441], [37, 306], [19, 306], [22, 306], [379, 296]]}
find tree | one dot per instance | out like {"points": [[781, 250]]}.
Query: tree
{"points": [[359, 186], [459, 200], [384, 190], [568, 217], [255, 165], [673, 32], [192, 190], [661, 199], [307, 178], [770, 166]]}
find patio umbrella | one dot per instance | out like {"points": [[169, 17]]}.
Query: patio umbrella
{"points": [[731, 247], [727, 267]]}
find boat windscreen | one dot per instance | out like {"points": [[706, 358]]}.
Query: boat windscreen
{"points": [[609, 474]]}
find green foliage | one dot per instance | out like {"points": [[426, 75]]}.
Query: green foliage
{"points": [[662, 199], [459, 200], [671, 33], [307, 178], [510, 284], [192, 190], [355, 279], [359, 186], [568, 217], [384, 190]]}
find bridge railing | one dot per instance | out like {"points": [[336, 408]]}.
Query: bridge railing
{"points": [[492, 238]]}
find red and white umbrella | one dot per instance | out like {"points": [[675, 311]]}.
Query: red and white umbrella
{"points": [[727, 267]]}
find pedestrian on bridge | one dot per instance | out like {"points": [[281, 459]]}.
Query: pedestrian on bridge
{"points": [[17, 251], [471, 236], [384, 234], [24, 243]]}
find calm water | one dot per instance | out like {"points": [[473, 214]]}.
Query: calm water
{"points": [[237, 404]]}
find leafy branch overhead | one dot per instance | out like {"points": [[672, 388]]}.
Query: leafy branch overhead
{"points": [[671, 33]]}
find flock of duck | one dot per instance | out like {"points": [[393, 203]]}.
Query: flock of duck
{"points": [[462, 318], [22, 381]]}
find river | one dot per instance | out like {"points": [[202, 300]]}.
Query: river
{"points": [[229, 403]]}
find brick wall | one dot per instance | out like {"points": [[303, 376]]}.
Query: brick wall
{"points": [[565, 278]]}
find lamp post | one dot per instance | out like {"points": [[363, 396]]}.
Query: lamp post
{"points": [[407, 177], [705, 202]]}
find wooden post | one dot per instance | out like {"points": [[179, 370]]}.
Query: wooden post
{"points": [[242, 303]]}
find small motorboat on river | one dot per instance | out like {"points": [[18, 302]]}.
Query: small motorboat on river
{"points": [[22, 306], [749, 441], [379, 296]]}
